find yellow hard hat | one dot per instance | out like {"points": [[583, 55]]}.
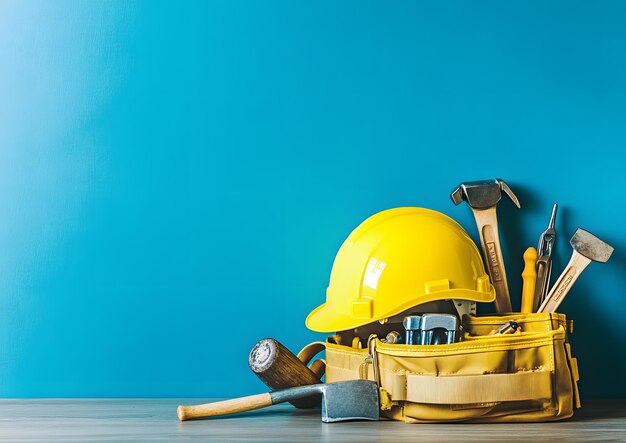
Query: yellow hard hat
{"points": [[398, 259]]}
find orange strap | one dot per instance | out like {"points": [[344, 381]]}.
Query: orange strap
{"points": [[307, 353], [311, 350]]}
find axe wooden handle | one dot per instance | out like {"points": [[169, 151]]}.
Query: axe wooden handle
{"points": [[487, 223], [572, 271], [242, 404], [252, 402]]}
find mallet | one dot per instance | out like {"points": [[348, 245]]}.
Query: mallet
{"points": [[587, 248], [279, 368]]}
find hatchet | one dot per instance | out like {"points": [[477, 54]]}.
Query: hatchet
{"points": [[587, 248], [344, 400]]}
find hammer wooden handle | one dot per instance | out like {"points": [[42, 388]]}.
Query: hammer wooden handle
{"points": [[572, 271], [242, 404], [487, 223]]}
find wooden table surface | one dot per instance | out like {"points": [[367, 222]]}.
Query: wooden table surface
{"points": [[147, 420]]}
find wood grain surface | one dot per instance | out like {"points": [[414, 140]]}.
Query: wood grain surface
{"points": [[154, 420]]}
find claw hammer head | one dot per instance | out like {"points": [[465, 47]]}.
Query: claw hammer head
{"points": [[482, 194]]}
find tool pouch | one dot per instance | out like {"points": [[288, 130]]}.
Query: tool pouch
{"points": [[528, 376]]}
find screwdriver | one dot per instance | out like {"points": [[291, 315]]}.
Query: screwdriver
{"points": [[529, 277]]}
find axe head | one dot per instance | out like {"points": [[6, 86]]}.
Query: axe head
{"points": [[587, 244], [349, 400]]}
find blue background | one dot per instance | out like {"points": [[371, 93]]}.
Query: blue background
{"points": [[175, 179]]}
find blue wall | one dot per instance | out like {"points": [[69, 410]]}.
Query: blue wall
{"points": [[175, 179]]}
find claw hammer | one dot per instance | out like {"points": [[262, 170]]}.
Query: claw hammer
{"points": [[483, 196]]}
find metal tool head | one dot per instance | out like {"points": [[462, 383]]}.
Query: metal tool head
{"points": [[482, 194], [510, 327], [444, 321], [587, 244], [434, 325], [394, 337], [412, 327], [412, 322], [349, 400], [548, 237]]}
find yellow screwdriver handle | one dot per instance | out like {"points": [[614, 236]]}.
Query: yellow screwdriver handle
{"points": [[529, 277]]}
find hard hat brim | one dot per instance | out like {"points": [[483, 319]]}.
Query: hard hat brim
{"points": [[325, 319]]}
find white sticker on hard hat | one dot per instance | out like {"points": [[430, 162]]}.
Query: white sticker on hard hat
{"points": [[373, 272]]}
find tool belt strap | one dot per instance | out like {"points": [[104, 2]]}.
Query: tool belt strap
{"points": [[467, 389], [307, 353], [575, 375]]}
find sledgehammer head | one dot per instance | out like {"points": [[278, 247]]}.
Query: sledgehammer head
{"points": [[590, 246], [482, 194], [349, 400]]}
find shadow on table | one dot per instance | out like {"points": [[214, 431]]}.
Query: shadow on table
{"points": [[599, 409], [260, 413]]}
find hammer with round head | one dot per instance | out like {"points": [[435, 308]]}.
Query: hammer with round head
{"points": [[483, 196], [279, 368], [587, 248]]}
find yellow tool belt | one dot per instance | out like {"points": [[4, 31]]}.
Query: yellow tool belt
{"points": [[528, 376]]}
